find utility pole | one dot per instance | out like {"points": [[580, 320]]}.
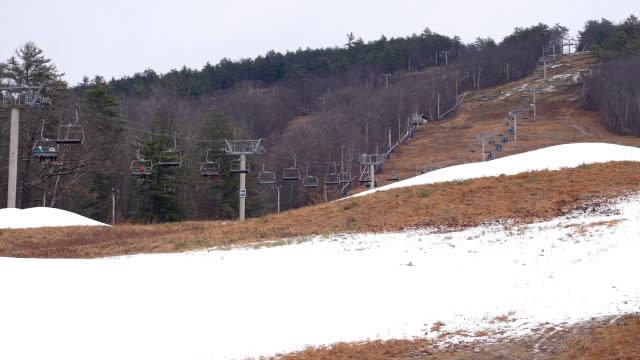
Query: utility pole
{"points": [[446, 56], [515, 130], [386, 80], [544, 65], [113, 206], [325, 193], [534, 104], [514, 116], [438, 105]]}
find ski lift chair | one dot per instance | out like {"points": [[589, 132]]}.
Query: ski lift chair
{"points": [[45, 149], [266, 177], [498, 147], [366, 179], [310, 181], [393, 176], [70, 134], [170, 158], [210, 168], [291, 173], [344, 178], [141, 167], [331, 179], [235, 167]]}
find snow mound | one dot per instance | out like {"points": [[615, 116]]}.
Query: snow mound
{"points": [[11, 218], [550, 158]]}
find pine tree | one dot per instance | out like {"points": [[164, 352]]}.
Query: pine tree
{"points": [[29, 67]]}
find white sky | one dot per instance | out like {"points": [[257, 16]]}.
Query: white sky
{"points": [[118, 37]]}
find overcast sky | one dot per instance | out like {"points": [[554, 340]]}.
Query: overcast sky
{"points": [[117, 37]]}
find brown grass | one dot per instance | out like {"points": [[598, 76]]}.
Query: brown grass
{"points": [[452, 205], [375, 350], [598, 340], [619, 341]]}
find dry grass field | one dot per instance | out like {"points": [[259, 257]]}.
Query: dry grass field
{"points": [[452, 205]]}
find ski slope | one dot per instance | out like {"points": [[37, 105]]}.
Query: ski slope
{"points": [[550, 158], [230, 304]]}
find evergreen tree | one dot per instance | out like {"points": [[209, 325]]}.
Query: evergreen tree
{"points": [[29, 67]]}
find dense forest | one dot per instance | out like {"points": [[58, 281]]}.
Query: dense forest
{"points": [[614, 86], [315, 109]]}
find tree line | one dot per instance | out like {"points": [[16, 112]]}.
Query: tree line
{"points": [[614, 85]]}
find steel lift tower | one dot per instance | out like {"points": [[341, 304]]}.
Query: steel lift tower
{"points": [[242, 148], [17, 98]]}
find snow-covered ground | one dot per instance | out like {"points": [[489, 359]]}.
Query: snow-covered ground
{"points": [[231, 304], [551, 158], [42, 217]]}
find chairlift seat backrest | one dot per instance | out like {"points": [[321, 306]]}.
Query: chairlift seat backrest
{"points": [[235, 167], [141, 167], [170, 158], [70, 134], [344, 178], [210, 168], [45, 149], [331, 179], [292, 173], [310, 181], [266, 177]]}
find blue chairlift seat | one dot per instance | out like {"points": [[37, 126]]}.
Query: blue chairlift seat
{"points": [[45, 149]]}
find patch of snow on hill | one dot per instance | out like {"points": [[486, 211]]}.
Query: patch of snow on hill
{"points": [[550, 158], [259, 301], [11, 218]]}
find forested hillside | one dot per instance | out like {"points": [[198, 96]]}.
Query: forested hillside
{"points": [[321, 107], [614, 87]]}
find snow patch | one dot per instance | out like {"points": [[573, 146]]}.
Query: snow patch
{"points": [[550, 158], [11, 218]]}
